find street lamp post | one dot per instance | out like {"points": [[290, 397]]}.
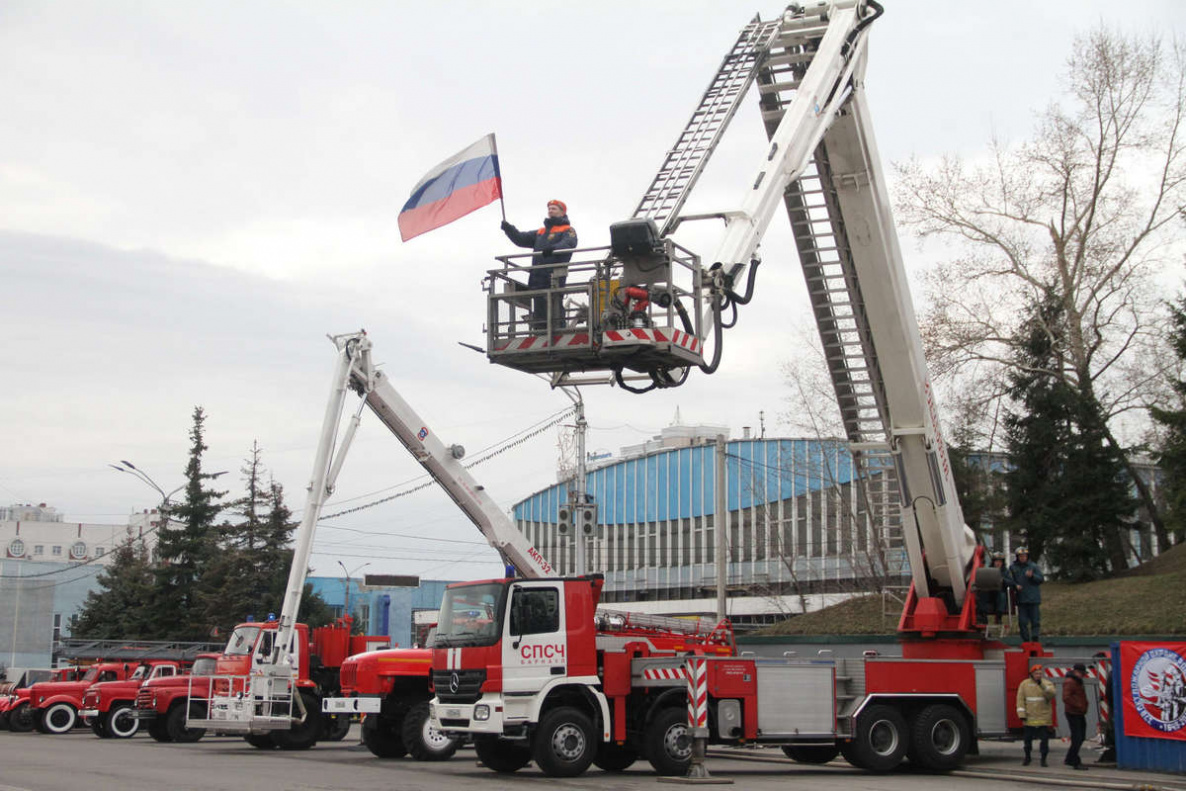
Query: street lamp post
{"points": [[140, 474], [348, 575]]}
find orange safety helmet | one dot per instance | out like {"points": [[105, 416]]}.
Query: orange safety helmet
{"points": [[563, 206]]}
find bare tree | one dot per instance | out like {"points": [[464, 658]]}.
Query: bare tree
{"points": [[1083, 210]]}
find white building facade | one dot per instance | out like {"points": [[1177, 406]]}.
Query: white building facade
{"points": [[47, 568], [804, 530]]}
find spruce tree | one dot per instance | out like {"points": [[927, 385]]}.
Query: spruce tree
{"points": [[121, 609], [1171, 446], [232, 587], [185, 546], [1067, 491]]}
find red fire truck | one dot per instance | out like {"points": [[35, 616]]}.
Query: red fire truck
{"points": [[107, 706], [545, 680], [392, 689], [227, 701], [55, 704], [15, 711], [159, 703]]}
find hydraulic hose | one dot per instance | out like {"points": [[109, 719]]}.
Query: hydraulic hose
{"points": [[749, 284], [717, 337]]}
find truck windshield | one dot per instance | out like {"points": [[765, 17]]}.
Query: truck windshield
{"points": [[242, 639], [471, 615], [91, 674], [140, 672], [203, 667]]}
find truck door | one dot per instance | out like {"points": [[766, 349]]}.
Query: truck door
{"points": [[535, 643]]}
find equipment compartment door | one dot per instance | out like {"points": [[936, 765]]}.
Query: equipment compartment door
{"points": [[796, 700]]}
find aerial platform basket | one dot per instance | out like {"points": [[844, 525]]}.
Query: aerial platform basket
{"points": [[610, 309]]}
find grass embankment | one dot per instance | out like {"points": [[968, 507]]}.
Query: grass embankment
{"points": [[1149, 599]]}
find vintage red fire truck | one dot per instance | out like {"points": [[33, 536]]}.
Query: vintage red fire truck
{"points": [[55, 704], [15, 712], [109, 707]]}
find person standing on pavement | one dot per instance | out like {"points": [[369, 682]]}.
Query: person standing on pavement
{"points": [[1026, 578], [547, 265], [1034, 706], [1074, 704]]}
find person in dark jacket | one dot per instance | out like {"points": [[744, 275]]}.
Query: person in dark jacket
{"points": [[1026, 579], [547, 265], [1074, 705], [995, 602]]}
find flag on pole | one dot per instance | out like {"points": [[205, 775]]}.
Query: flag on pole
{"points": [[462, 183]]}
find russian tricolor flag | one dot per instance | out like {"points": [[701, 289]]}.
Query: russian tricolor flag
{"points": [[462, 183]]}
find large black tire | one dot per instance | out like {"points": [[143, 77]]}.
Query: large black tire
{"points": [[158, 731], [811, 753], [335, 727], [382, 736], [175, 723], [939, 738], [119, 722], [424, 742], [614, 757], [501, 755], [260, 741], [57, 719], [564, 744], [21, 719], [668, 742], [3, 721], [880, 741], [303, 734], [96, 724]]}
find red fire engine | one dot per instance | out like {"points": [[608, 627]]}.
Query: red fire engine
{"points": [[537, 681]]}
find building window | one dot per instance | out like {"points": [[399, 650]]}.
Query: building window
{"points": [[57, 550], [57, 627], [16, 548], [38, 549]]}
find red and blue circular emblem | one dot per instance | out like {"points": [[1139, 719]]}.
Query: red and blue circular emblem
{"points": [[1158, 689]]}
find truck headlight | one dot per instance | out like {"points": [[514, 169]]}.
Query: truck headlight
{"points": [[481, 712]]}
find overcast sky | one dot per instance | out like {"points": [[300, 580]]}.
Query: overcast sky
{"points": [[192, 195]]}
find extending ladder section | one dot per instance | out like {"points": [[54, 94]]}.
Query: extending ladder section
{"points": [[683, 164], [834, 289]]}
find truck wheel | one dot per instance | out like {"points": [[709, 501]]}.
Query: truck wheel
{"points": [[880, 740], [564, 743], [21, 719], [811, 753], [939, 738], [97, 728], [119, 722], [382, 737], [58, 719], [423, 741], [614, 757], [260, 741], [157, 730], [501, 755], [668, 742], [335, 727], [175, 723], [302, 735]]}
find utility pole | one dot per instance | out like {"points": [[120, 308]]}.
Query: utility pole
{"points": [[721, 526]]}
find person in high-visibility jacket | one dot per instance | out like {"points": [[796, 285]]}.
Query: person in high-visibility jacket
{"points": [[1036, 710], [547, 265]]}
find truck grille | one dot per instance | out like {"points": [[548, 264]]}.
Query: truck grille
{"points": [[348, 675], [144, 698], [466, 689]]}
